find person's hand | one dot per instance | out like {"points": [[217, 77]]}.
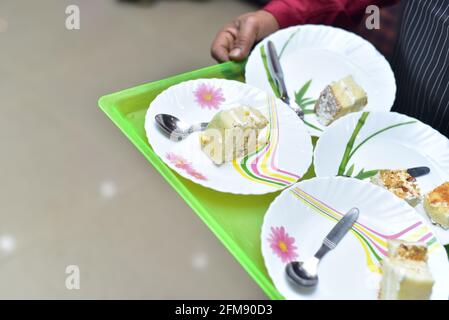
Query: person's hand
{"points": [[236, 39]]}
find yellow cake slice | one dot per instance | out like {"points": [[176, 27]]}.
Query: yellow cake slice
{"points": [[233, 133], [401, 183], [436, 204], [405, 273], [339, 98]]}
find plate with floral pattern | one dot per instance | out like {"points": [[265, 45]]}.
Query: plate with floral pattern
{"points": [[313, 56], [360, 144], [301, 216], [282, 162]]}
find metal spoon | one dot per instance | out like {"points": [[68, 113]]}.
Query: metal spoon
{"points": [[274, 66], [414, 172], [306, 273], [175, 129]]}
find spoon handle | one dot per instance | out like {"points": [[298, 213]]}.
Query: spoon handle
{"points": [[418, 171], [198, 127], [274, 66], [338, 232]]}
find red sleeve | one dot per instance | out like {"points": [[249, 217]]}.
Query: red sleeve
{"points": [[342, 13]]}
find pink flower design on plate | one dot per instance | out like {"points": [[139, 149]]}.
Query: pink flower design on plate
{"points": [[181, 163], [282, 244], [208, 96]]}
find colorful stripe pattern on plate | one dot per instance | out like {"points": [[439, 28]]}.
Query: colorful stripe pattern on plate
{"points": [[261, 166], [373, 242]]}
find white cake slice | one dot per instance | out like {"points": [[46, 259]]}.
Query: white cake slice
{"points": [[340, 98], [233, 133], [405, 273], [436, 204], [401, 183]]}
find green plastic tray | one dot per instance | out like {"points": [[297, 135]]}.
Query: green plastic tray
{"points": [[235, 219]]}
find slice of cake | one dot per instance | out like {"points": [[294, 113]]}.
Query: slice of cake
{"points": [[436, 204], [340, 98], [401, 183], [405, 273], [233, 133]]}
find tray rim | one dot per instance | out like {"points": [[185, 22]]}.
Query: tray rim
{"points": [[107, 105]]}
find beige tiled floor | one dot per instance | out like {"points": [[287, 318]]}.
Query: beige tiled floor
{"points": [[73, 190]]}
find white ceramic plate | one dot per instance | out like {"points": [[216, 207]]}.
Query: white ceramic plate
{"points": [[302, 215], [411, 144], [281, 163], [324, 54]]}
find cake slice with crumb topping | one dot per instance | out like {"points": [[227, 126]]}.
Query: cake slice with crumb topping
{"points": [[405, 272], [339, 98], [401, 183], [436, 204]]}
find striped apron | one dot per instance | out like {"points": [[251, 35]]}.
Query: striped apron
{"points": [[421, 62]]}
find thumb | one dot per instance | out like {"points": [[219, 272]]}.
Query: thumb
{"points": [[246, 36]]}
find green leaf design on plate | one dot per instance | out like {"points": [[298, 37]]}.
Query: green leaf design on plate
{"points": [[301, 92], [303, 102], [350, 171], [312, 126], [366, 174], [306, 102], [351, 150], [308, 111], [379, 132], [287, 42], [350, 144]]}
